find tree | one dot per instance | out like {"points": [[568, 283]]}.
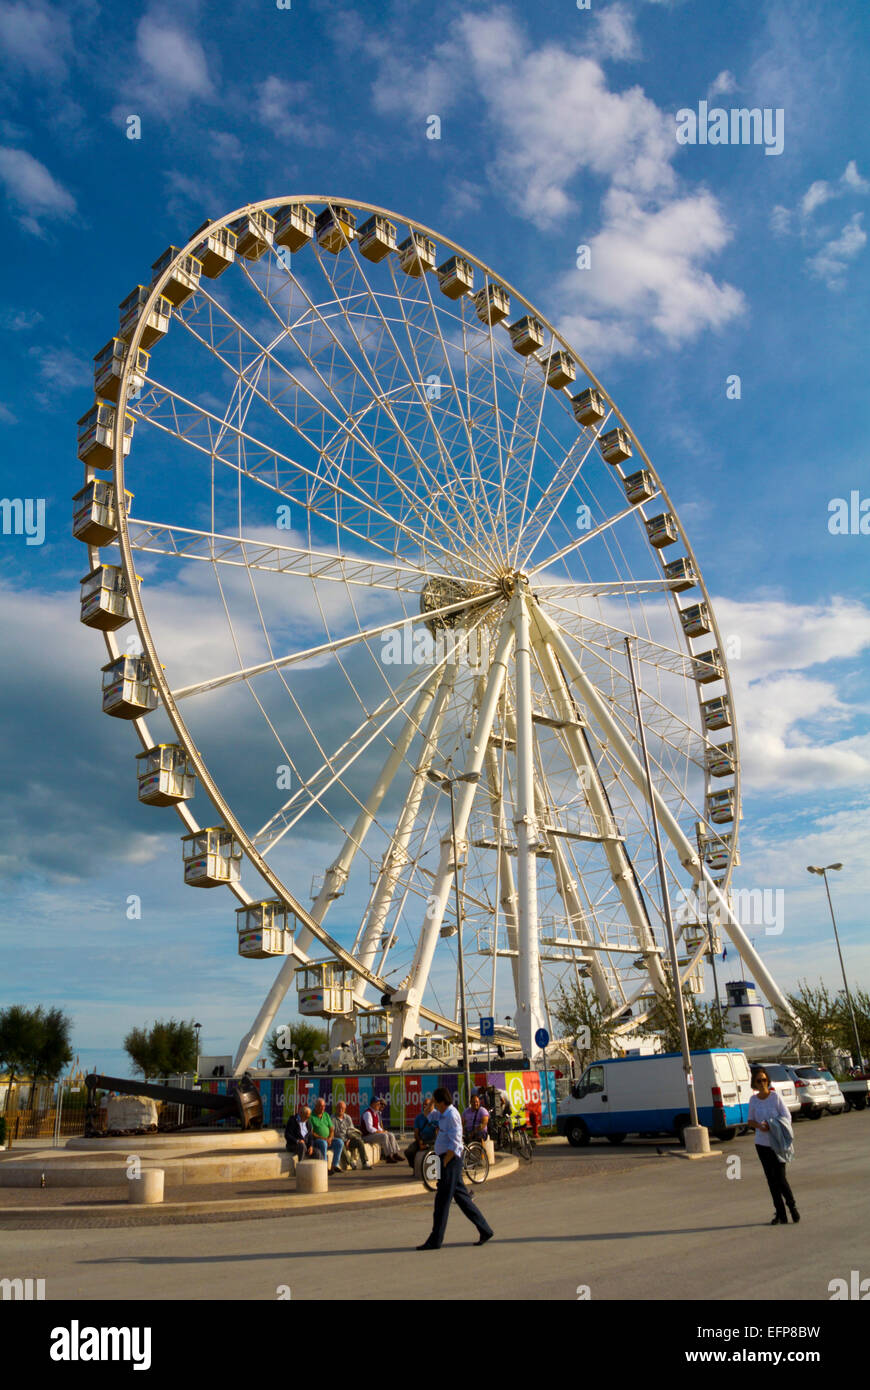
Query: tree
{"points": [[819, 1021], [167, 1048], [302, 1040], [55, 1046], [33, 1043], [705, 1026], [588, 1024], [845, 1031]]}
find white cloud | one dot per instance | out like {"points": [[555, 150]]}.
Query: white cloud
{"points": [[21, 320], [32, 190], [852, 179], [723, 83], [647, 271], [614, 35], [176, 60], [817, 194], [285, 108], [832, 261], [794, 727], [35, 37], [61, 370], [555, 125], [171, 69]]}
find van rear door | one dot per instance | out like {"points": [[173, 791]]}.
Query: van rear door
{"points": [[723, 1071]]}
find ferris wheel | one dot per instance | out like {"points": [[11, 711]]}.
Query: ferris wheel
{"points": [[398, 538]]}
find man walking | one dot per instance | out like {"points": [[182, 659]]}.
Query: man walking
{"points": [[451, 1188]]}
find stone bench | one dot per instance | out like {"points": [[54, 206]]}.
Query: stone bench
{"points": [[373, 1153]]}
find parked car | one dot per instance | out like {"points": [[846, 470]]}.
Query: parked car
{"points": [[619, 1096], [856, 1093], [781, 1082], [812, 1090], [836, 1099]]}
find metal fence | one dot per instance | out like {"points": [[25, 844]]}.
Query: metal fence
{"points": [[43, 1124]]}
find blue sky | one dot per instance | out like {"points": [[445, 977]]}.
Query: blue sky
{"points": [[557, 129]]}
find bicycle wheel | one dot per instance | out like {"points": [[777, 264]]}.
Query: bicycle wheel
{"points": [[431, 1170], [524, 1145], [475, 1164]]}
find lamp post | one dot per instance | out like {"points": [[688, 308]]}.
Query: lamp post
{"points": [[823, 873], [197, 1027], [447, 784], [700, 1142]]}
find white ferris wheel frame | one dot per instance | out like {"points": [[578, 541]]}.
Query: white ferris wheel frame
{"points": [[525, 631]]}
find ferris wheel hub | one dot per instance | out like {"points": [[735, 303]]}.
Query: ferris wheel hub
{"points": [[513, 581]]}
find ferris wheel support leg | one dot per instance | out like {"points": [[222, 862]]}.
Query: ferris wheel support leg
{"points": [[409, 996], [614, 850], [336, 875], [507, 893], [397, 854], [530, 1015], [686, 852]]}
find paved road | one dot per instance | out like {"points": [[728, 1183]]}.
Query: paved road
{"points": [[627, 1223]]}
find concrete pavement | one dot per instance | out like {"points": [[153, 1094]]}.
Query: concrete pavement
{"points": [[626, 1224]]}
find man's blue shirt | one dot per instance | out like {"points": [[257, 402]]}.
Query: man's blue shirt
{"points": [[449, 1134]]}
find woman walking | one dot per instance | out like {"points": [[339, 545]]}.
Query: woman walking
{"points": [[770, 1118]]}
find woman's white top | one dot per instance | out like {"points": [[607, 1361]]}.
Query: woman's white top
{"points": [[764, 1110]]}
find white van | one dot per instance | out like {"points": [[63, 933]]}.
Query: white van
{"points": [[647, 1095]]}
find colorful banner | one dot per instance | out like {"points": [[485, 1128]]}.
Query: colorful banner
{"points": [[403, 1093]]}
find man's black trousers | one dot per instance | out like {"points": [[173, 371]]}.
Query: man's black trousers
{"points": [[451, 1188]]}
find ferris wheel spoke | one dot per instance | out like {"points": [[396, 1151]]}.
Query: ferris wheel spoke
{"points": [[182, 417], [415, 379], [326, 648], [538, 522], [248, 552], [350, 435], [477, 487], [424, 686], [651, 652], [396, 856], [312, 786], [378, 398], [533, 449], [586, 537], [664, 712], [337, 874]]}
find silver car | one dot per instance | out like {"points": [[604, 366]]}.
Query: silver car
{"points": [[812, 1090], [836, 1099]]}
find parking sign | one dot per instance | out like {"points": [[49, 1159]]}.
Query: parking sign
{"points": [[487, 1027]]}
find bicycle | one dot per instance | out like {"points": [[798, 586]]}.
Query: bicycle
{"points": [[475, 1165], [510, 1133]]}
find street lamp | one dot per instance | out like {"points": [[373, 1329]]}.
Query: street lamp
{"points": [[699, 1141], [447, 784], [823, 873], [197, 1027]]}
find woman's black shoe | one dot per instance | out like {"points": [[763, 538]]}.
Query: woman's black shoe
{"points": [[795, 1214], [779, 1221]]}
